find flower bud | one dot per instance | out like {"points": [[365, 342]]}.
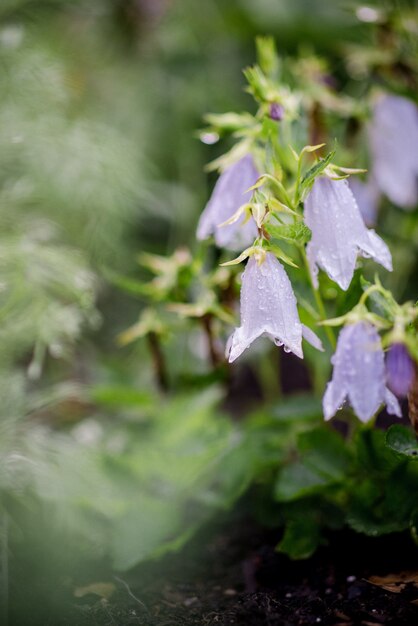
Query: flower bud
{"points": [[276, 112], [400, 369]]}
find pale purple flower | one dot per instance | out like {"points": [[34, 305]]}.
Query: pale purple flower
{"points": [[367, 196], [359, 374], [393, 138], [400, 369], [268, 307], [227, 197], [338, 232]]}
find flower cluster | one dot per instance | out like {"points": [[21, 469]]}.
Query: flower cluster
{"points": [[324, 215]]}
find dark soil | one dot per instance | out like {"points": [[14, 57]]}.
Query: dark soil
{"points": [[233, 575]]}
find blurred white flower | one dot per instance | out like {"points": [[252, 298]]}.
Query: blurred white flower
{"points": [[227, 196], [393, 138]]}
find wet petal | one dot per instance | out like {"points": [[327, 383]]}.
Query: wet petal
{"points": [[268, 307], [393, 138], [333, 399], [338, 232], [358, 373], [228, 195], [375, 247], [366, 371], [392, 404], [312, 338]]}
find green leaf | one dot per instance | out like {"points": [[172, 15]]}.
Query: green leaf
{"points": [[297, 233], [301, 538], [323, 462], [299, 407], [282, 255], [402, 440], [118, 396], [325, 451], [298, 480], [316, 170]]}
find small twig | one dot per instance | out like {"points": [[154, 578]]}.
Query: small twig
{"points": [[128, 589], [158, 361], [208, 328]]}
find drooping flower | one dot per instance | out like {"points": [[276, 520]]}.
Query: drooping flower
{"points": [[227, 196], [268, 307], [400, 369], [359, 374], [393, 139], [338, 232], [367, 196]]}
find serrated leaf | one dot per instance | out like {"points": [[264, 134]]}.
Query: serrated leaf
{"points": [[402, 440], [309, 177], [298, 480], [297, 233]]}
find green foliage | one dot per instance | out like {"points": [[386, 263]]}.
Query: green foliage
{"points": [[134, 489], [370, 485]]}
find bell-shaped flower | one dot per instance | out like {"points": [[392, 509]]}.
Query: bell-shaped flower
{"points": [[359, 374], [400, 369], [338, 232], [268, 307], [393, 139], [367, 196], [229, 194]]}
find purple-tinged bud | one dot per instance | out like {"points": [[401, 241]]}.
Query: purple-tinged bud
{"points": [[400, 369], [359, 374], [276, 111]]}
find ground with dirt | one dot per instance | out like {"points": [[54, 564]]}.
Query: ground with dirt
{"points": [[231, 575]]}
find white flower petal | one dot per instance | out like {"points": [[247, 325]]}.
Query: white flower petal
{"points": [[359, 373], [312, 338], [333, 399], [338, 232], [228, 195], [378, 250], [393, 138], [392, 403], [268, 307]]}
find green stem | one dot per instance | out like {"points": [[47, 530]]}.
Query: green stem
{"points": [[318, 299], [298, 175]]}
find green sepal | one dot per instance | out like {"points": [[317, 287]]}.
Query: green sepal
{"points": [[309, 177]]}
